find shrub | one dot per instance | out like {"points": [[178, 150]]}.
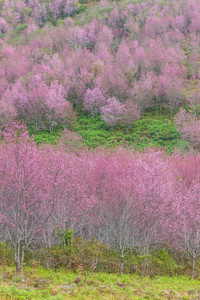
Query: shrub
{"points": [[6, 254]]}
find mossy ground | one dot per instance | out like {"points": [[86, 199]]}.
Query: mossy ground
{"points": [[39, 283]]}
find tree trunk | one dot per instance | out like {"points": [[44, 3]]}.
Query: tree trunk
{"points": [[193, 267], [19, 258]]}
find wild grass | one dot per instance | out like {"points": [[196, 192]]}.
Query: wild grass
{"points": [[39, 283]]}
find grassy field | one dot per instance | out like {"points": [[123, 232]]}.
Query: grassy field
{"points": [[38, 283]]}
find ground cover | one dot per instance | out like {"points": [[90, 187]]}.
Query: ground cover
{"points": [[149, 131], [39, 283]]}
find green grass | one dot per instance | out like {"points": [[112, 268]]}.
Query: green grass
{"points": [[39, 283]]}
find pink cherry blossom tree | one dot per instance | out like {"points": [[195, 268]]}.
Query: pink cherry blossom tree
{"points": [[39, 104], [71, 142], [8, 113], [111, 112], [58, 109], [185, 214], [94, 100], [26, 189], [189, 127], [130, 114], [61, 8]]}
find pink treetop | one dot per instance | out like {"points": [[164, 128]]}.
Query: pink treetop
{"points": [[93, 100], [33, 3], [143, 90], [79, 72], [62, 8], [179, 22], [14, 11], [3, 84], [3, 26], [17, 96], [40, 14], [130, 113], [105, 37], [123, 55], [169, 85], [7, 113], [156, 26], [114, 81], [111, 112], [189, 127], [28, 99], [59, 110], [16, 64], [55, 97]]}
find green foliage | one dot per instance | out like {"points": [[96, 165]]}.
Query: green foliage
{"points": [[161, 262], [92, 256], [182, 146], [44, 136], [158, 132], [65, 237], [84, 1], [81, 255], [93, 12], [17, 36], [19, 29], [82, 8], [149, 131], [6, 254], [1, 4]]}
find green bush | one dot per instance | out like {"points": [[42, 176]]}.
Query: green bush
{"points": [[44, 136], [149, 131], [146, 132], [85, 255], [84, 1], [6, 254], [65, 237], [82, 8], [18, 30], [156, 132], [81, 255]]}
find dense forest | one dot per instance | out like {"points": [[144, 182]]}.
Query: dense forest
{"points": [[100, 135]]}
